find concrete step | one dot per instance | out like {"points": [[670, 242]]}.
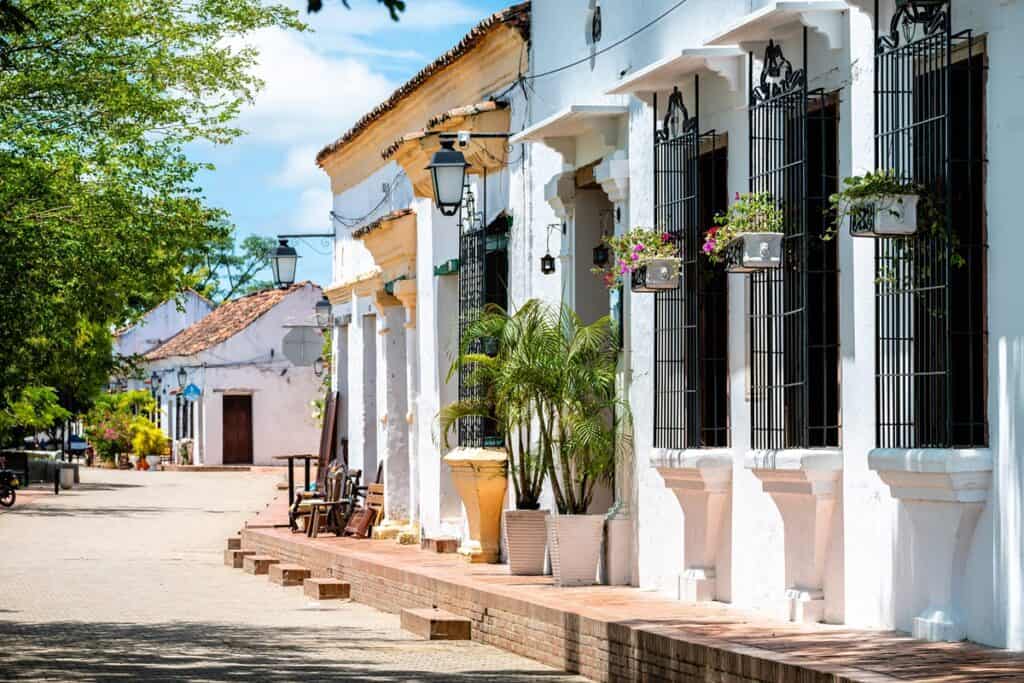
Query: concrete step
{"points": [[326, 589], [234, 543], [234, 558], [436, 624], [288, 574], [258, 564], [440, 545]]}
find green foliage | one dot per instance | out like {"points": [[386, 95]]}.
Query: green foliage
{"points": [[113, 421], [36, 409], [550, 384], [394, 7], [147, 438], [224, 270], [881, 189], [101, 217], [752, 212], [633, 250]]}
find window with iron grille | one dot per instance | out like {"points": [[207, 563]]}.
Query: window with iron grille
{"points": [[794, 310], [930, 288], [483, 280], [691, 322]]}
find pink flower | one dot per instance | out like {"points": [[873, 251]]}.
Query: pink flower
{"points": [[636, 257], [624, 269], [638, 247], [666, 237], [709, 246], [737, 196]]}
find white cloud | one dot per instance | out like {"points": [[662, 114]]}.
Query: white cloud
{"points": [[298, 169], [312, 211]]}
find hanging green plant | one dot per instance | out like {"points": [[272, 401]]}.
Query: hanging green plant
{"points": [[752, 215]]}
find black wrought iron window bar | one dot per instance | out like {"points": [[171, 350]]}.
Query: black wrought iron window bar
{"points": [[930, 306], [690, 322], [483, 281], [794, 310]]}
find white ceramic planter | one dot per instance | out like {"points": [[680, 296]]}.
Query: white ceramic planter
{"points": [[753, 251], [153, 461], [888, 216], [657, 275], [527, 541], [134, 460], [575, 545], [67, 477]]}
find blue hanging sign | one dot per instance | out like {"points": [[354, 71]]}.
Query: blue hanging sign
{"points": [[192, 392]]}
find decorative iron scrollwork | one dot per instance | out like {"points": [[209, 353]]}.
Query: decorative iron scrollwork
{"points": [[910, 15], [595, 24], [778, 77], [677, 121]]}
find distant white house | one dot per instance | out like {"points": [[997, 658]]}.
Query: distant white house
{"points": [[162, 323], [240, 382]]}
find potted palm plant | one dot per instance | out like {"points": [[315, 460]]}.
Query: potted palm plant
{"points": [[508, 379], [877, 204], [581, 432], [748, 236]]}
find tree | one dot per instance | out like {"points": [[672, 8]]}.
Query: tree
{"points": [[100, 212], [225, 270], [394, 7]]}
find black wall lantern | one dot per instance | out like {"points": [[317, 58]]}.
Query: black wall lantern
{"points": [[448, 174], [154, 380], [323, 313], [182, 378], [547, 264], [282, 262], [318, 366], [601, 255]]}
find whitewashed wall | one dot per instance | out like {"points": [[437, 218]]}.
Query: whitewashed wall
{"points": [[162, 323]]}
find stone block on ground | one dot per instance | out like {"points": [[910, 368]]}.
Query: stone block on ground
{"points": [[326, 589], [288, 574], [258, 564], [436, 624], [440, 545], [235, 558]]}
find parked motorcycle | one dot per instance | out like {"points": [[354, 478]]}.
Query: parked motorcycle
{"points": [[8, 484]]}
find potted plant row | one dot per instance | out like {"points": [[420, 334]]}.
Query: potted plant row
{"points": [[549, 386], [649, 259], [877, 204], [748, 236]]}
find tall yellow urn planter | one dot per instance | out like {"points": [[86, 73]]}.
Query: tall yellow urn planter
{"points": [[480, 477]]}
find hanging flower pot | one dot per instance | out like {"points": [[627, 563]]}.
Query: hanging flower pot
{"points": [[656, 275], [877, 204], [753, 251], [748, 236], [648, 259]]}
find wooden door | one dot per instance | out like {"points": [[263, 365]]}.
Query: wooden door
{"points": [[237, 430]]}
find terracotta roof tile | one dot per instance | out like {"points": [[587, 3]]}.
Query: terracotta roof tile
{"points": [[224, 322], [438, 119], [516, 16], [373, 225]]}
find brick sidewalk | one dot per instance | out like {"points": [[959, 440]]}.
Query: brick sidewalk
{"points": [[614, 633]]}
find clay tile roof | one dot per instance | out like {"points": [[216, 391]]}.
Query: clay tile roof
{"points": [[516, 16], [222, 323], [437, 120], [370, 227]]}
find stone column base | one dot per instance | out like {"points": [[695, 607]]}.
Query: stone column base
{"points": [[471, 551], [697, 585]]}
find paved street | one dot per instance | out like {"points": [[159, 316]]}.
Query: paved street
{"points": [[122, 579]]}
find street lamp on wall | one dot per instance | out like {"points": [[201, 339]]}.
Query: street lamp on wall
{"points": [[323, 313], [318, 366], [154, 380], [448, 174], [182, 378], [282, 262]]}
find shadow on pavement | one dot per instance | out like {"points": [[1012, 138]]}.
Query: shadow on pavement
{"points": [[203, 651]]}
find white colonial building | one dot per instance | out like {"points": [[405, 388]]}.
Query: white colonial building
{"points": [[161, 323], [833, 440], [240, 383]]}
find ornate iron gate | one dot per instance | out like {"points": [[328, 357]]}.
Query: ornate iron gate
{"points": [[794, 335], [930, 312], [681, 316]]}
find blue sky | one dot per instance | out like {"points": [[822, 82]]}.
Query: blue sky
{"points": [[316, 85]]}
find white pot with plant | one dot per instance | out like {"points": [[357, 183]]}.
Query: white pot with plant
{"points": [[506, 354], [877, 204], [748, 236], [647, 258], [581, 433], [148, 439]]}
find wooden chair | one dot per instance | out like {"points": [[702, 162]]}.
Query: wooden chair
{"points": [[334, 512], [375, 502], [326, 455]]}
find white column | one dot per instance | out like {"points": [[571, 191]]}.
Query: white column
{"points": [[405, 291], [392, 406]]}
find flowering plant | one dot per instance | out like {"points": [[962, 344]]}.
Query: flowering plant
{"points": [[753, 212], [632, 251]]}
